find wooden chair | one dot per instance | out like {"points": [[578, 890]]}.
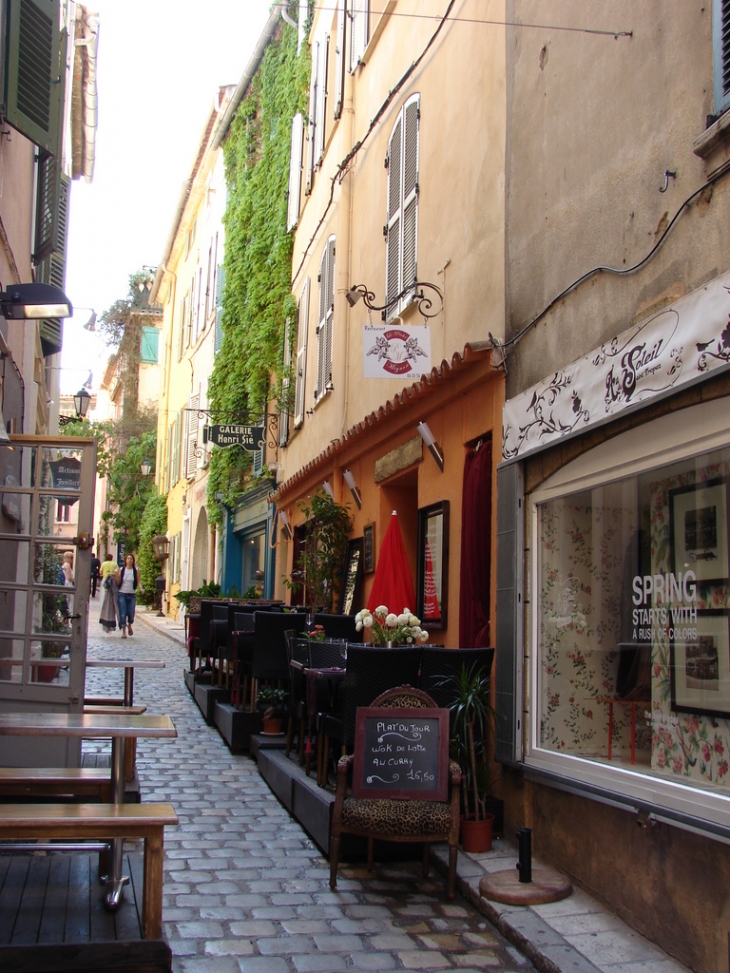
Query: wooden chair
{"points": [[396, 819], [339, 626]]}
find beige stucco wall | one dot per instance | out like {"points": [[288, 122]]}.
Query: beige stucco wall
{"points": [[461, 212], [594, 123]]}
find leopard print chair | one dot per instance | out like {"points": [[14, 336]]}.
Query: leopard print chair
{"points": [[390, 819]]}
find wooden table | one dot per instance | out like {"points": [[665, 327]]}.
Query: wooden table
{"points": [[95, 726], [129, 665]]}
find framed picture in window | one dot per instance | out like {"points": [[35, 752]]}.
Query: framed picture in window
{"points": [[699, 530], [700, 663], [350, 590], [368, 540], [433, 565]]}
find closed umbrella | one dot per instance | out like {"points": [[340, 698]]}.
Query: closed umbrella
{"points": [[392, 585]]}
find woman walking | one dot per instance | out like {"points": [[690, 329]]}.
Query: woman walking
{"points": [[109, 607], [127, 579]]}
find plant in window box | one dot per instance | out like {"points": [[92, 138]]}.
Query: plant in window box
{"points": [[271, 703], [471, 746]]}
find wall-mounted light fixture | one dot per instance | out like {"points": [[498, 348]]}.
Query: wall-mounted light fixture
{"points": [[430, 440], [34, 302], [82, 400], [285, 525], [145, 467], [417, 290], [327, 487], [350, 481]]}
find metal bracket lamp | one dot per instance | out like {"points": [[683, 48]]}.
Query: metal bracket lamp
{"points": [[82, 399], [350, 481], [418, 291], [285, 525], [433, 447], [36, 301]]}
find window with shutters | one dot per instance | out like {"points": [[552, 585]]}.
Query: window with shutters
{"points": [[174, 452], [35, 49], [359, 30], [193, 422], [301, 362], [317, 107], [402, 208], [284, 412], [182, 325], [191, 314], [340, 58], [325, 319], [52, 197], [721, 53], [149, 348], [295, 171], [260, 454]]}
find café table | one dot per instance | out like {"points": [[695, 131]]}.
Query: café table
{"points": [[129, 665], [95, 726], [333, 677]]}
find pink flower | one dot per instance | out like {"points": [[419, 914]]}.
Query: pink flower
{"points": [[661, 759], [719, 749], [706, 753], [722, 769], [657, 670], [677, 765], [589, 714]]}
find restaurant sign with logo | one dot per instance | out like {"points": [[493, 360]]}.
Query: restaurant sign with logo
{"points": [[251, 438], [396, 351], [678, 346]]}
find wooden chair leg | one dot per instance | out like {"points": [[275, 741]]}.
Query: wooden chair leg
{"points": [[334, 860], [152, 896], [322, 771]]}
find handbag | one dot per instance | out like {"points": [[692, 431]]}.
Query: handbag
{"points": [[108, 581]]}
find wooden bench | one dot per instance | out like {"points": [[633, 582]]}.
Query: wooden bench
{"points": [[150, 956], [54, 781], [101, 821]]}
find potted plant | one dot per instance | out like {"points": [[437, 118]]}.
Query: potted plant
{"points": [[389, 628], [317, 575], [472, 720], [271, 704]]}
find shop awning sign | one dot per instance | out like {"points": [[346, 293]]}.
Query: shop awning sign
{"points": [[66, 475], [396, 351], [251, 438], [676, 347]]}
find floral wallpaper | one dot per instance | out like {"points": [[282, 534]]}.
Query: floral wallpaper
{"points": [[588, 554]]}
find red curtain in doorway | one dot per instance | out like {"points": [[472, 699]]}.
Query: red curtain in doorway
{"points": [[476, 548]]}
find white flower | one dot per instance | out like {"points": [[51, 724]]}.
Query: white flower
{"points": [[391, 620], [358, 626], [412, 620], [381, 611], [358, 617], [404, 620], [367, 620], [423, 637]]}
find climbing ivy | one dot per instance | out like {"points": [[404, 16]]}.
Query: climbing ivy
{"points": [[257, 298]]}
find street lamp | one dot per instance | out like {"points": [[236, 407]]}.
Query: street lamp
{"points": [[82, 400], [146, 467], [34, 301]]}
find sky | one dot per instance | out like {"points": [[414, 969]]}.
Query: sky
{"points": [[160, 64]]}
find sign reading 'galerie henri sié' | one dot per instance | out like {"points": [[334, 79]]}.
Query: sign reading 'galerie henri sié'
{"points": [[391, 351], [679, 345], [251, 438]]}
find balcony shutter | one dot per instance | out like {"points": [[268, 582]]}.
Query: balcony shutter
{"points": [[359, 35], [410, 194], [321, 107], [721, 53], [311, 126], [295, 171], [149, 350], [192, 441], [258, 456], [301, 355], [326, 317], [52, 270], [393, 245], [285, 385], [48, 197], [35, 71], [340, 60]]}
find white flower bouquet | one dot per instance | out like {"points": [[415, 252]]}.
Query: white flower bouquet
{"points": [[388, 627]]}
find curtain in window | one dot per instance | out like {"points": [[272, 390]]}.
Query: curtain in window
{"points": [[476, 549]]}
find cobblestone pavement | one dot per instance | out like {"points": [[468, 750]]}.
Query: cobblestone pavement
{"points": [[246, 890]]}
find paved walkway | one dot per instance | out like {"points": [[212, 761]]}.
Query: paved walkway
{"points": [[247, 891]]}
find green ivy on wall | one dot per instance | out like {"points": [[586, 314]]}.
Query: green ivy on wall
{"points": [[257, 298]]}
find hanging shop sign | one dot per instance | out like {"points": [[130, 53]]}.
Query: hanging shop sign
{"points": [[251, 438], [676, 347], [396, 351], [66, 475]]}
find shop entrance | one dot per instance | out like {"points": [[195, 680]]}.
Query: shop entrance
{"points": [[45, 566]]}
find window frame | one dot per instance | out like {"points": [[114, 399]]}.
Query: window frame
{"points": [[721, 54], [402, 205], [674, 437], [359, 32], [301, 359], [325, 320]]}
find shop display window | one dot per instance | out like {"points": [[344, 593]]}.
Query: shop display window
{"points": [[632, 622]]}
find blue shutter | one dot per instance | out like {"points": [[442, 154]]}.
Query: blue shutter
{"points": [[149, 350]]}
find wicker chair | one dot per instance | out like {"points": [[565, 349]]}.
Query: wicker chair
{"points": [[396, 819]]}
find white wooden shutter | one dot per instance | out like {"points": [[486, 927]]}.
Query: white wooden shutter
{"points": [[410, 194], [393, 245], [321, 108], [340, 59], [192, 438], [301, 355], [311, 123], [258, 456], [721, 54], [326, 317], [295, 171], [359, 31], [284, 414]]}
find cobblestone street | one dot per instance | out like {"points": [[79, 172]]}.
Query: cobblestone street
{"points": [[246, 890]]}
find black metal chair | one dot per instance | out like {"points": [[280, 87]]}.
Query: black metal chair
{"points": [[339, 626], [370, 671], [439, 665], [297, 651], [262, 653]]}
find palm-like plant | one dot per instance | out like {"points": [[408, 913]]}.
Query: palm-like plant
{"points": [[472, 720]]}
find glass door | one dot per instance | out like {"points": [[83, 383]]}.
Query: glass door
{"points": [[46, 515]]}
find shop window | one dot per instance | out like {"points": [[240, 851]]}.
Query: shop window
{"points": [[632, 623], [252, 578], [433, 565]]}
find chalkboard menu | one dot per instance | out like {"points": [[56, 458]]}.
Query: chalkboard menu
{"points": [[353, 576], [401, 753]]}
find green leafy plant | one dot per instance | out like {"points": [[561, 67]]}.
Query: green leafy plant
{"points": [[271, 700], [318, 571], [472, 724], [154, 522], [208, 589]]}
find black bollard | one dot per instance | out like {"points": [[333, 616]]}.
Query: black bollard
{"points": [[524, 865]]}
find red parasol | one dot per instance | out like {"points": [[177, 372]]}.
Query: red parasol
{"points": [[392, 585]]}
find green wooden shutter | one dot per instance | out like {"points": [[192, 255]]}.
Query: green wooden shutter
{"points": [[52, 270], [149, 350], [35, 71]]}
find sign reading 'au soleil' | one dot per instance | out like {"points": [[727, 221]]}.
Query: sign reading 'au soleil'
{"points": [[251, 438]]}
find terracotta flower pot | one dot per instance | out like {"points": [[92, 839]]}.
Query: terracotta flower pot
{"points": [[271, 726], [476, 836]]}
